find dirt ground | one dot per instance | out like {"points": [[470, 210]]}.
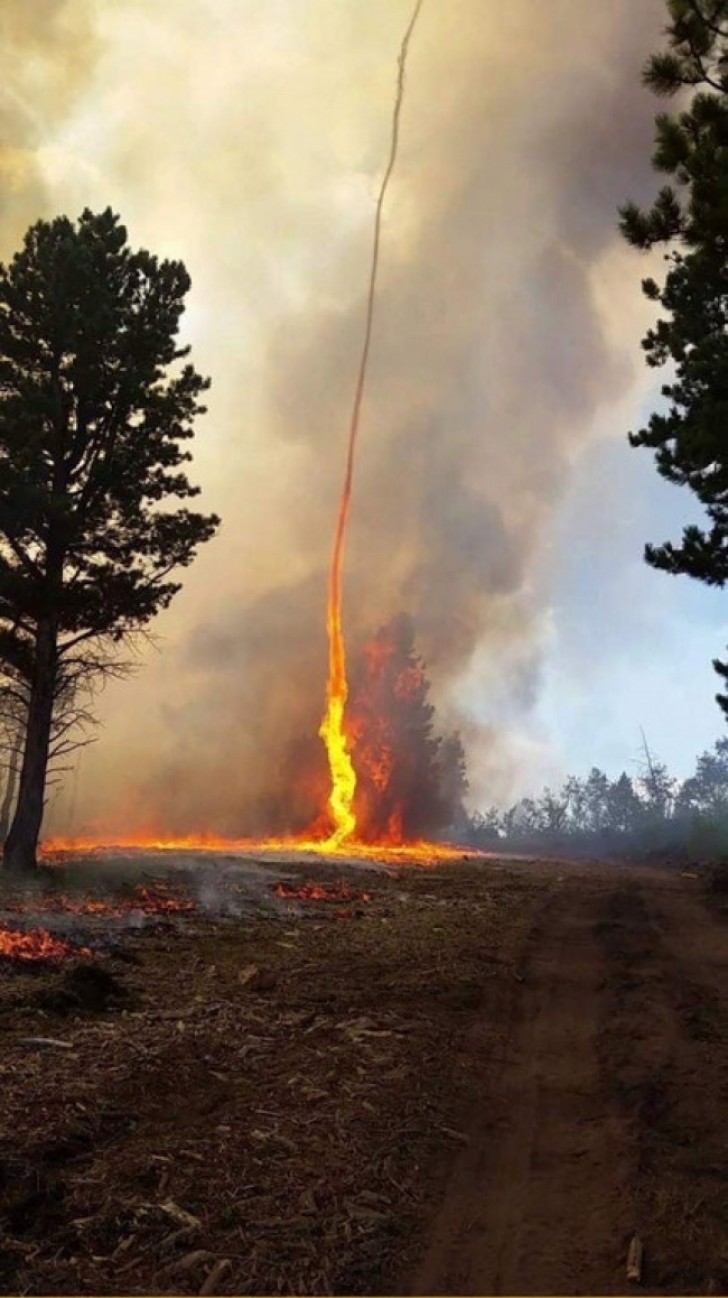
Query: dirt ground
{"points": [[484, 1079]]}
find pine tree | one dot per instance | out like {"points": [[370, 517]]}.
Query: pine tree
{"points": [[96, 401], [690, 219], [707, 789]]}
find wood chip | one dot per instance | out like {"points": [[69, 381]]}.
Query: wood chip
{"points": [[173, 1210], [220, 1269], [45, 1043], [189, 1261], [634, 1260], [456, 1135]]}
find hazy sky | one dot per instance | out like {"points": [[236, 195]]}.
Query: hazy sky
{"points": [[496, 499]]}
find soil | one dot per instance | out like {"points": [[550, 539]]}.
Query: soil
{"points": [[486, 1079], [604, 1114]]}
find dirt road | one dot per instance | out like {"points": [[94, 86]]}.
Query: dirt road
{"points": [[602, 1112], [481, 1078]]}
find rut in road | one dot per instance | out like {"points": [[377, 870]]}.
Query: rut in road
{"points": [[605, 1113], [538, 1198]]}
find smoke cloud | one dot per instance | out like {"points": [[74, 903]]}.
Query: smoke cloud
{"points": [[248, 137], [49, 51]]}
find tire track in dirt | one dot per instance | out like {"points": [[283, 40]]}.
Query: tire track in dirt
{"points": [[603, 1113], [664, 1040], [535, 1202]]}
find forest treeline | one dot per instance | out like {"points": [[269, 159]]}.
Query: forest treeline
{"points": [[650, 812]]}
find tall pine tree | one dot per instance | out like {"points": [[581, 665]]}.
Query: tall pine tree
{"points": [[96, 404], [690, 219]]}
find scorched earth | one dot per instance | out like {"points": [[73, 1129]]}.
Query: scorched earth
{"points": [[240, 1075]]}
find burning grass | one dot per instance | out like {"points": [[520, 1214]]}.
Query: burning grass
{"points": [[267, 1106], [339, 891], [36, 945], [156, 900], [420, 853]]}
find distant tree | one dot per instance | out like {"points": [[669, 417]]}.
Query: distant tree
{"points": [[657, 787], [574, 794], [95, 405], [622, 815], [509, 820], [485, 827], [552, 812], [690, 218], [623, 806], [525, 821], [707, 790], [596, 799], [452, 780]]}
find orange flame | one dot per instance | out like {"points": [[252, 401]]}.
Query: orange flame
{"points": [[36, 944], [343, 775], [150, 901], [339, 891], [332, 731], [418, 853]]}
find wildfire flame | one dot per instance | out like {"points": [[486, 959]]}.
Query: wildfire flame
{"points": [[36, 944], [152, 901], [332, 729], [343, 775], [420, 852], [345, 825], [364, 814]]}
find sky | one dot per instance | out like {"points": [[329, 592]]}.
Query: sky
{"points": [[497, 500]]}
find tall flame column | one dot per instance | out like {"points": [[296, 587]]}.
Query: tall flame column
{"points": [[332, 729]]}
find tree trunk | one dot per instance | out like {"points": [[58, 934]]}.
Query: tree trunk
{"points": [[22, 841], [10, 786]]}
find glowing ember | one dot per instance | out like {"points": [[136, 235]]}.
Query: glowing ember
{"points": [[155, 901], [320, 892], [36, 944], [151, 901]]}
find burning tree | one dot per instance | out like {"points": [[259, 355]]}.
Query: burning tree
{"points": [[95, 403], [410, 781]]}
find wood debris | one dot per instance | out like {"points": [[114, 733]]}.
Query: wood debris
{"points": [[634, 1260]]}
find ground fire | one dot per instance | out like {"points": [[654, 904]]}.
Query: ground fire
{"points": [[149, 901], [339, 891], [36, 944]]}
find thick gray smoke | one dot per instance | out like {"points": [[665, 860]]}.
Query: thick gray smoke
{"points": [[505, 329]]}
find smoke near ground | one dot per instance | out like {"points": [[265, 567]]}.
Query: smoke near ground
{"points": [[249, 139]]}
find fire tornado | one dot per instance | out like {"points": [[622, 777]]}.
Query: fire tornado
{"points": [[332, 729]]}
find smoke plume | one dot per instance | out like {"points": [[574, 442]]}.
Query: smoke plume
{"points": [[48, 54], [250, 140]]}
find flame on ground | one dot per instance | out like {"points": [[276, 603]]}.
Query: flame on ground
{"points": [[414, 853], [36, 944], [150, 901], [343, 775], [339, 891]]}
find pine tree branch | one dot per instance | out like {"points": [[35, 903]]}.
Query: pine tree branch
{"points": [[29, 564]]}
